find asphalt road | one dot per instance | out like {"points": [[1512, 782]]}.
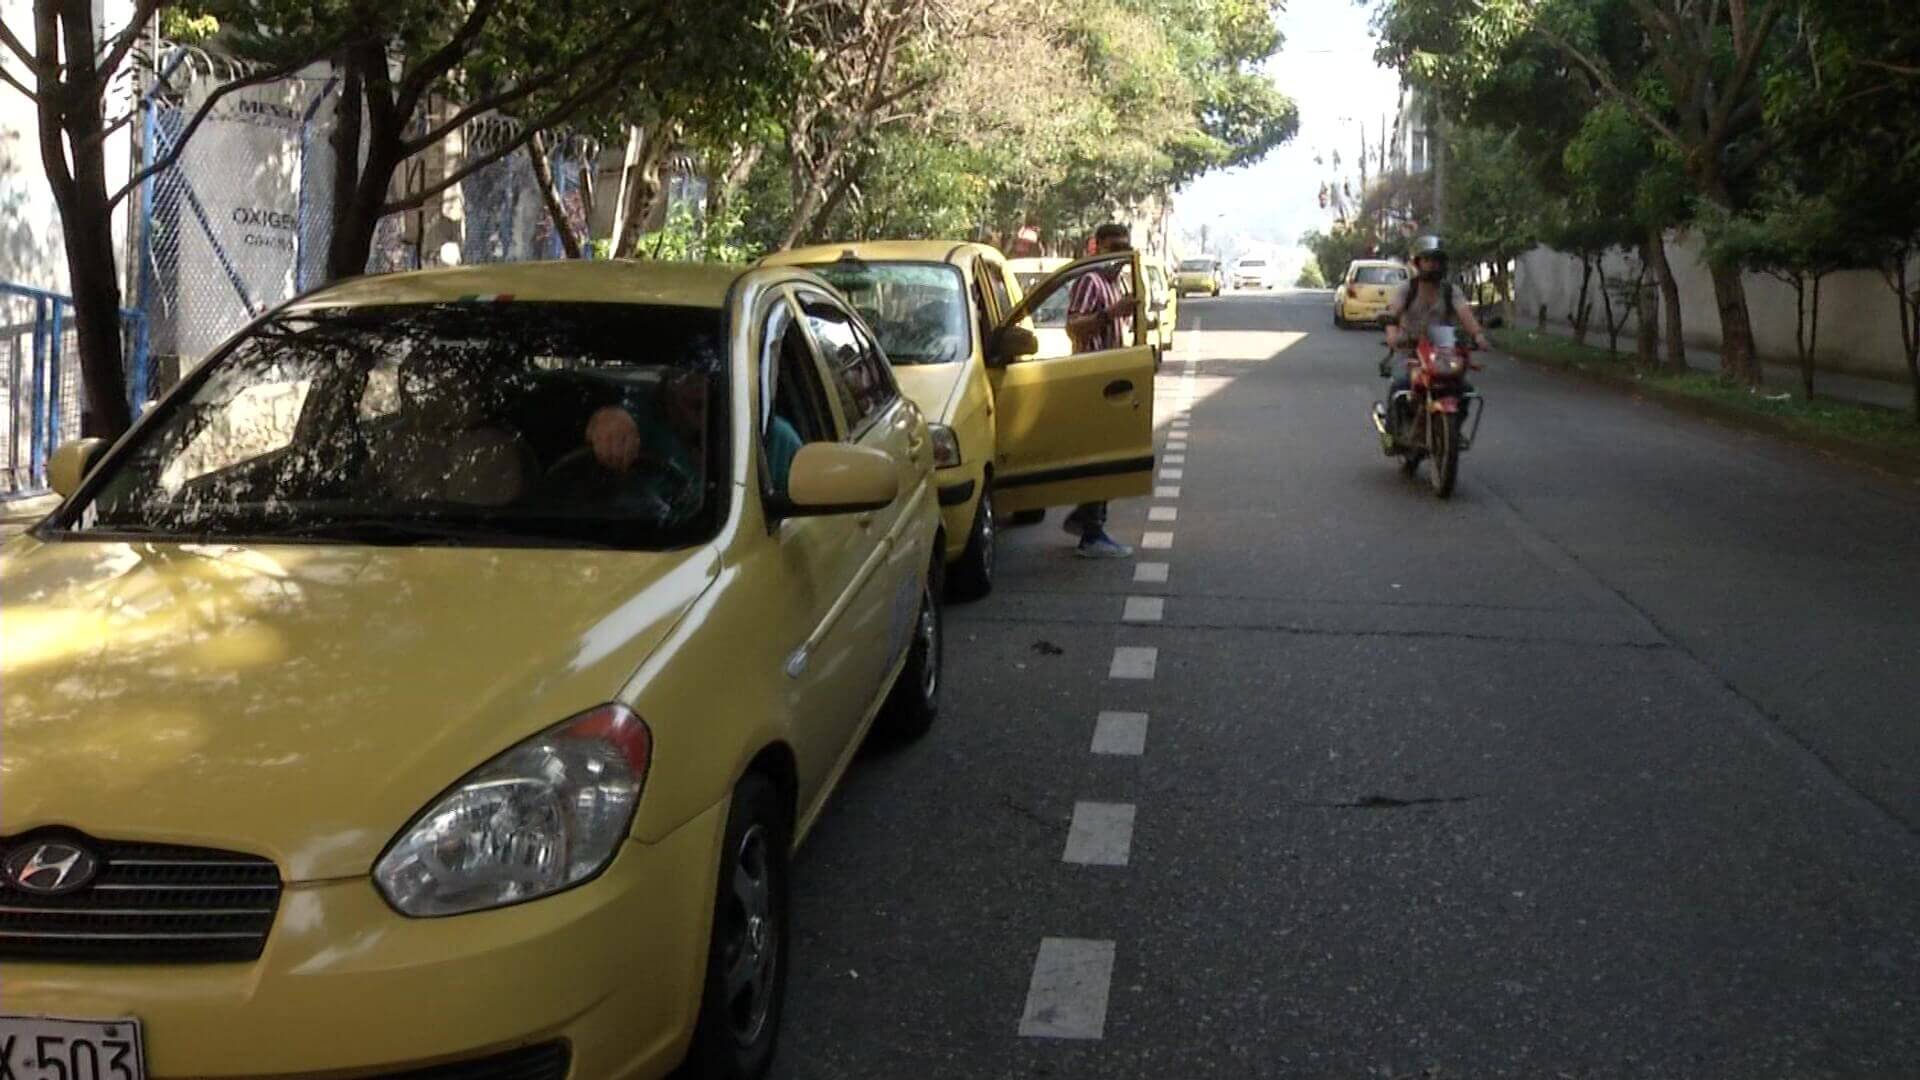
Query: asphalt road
{"points": [[1606, 767]]}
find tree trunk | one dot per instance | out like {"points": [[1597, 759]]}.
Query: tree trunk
{"points": [[1907, 298], [1736, 325], [730, 179], [550, 195], [1606, 309], [640, 187], [1583, 305], [1676, 345], [73, 154], [1800, 348]]}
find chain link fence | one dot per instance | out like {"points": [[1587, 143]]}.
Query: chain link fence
{"points": [[242, 221]]}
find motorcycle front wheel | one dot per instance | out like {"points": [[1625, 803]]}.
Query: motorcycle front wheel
{"points": [[1443, 445]]}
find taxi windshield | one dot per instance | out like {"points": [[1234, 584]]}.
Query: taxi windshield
{"points": [[917, 310], [1197, 265], [457, 424]]}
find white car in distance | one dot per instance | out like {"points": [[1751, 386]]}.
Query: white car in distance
{"points": [[1252, 273]]}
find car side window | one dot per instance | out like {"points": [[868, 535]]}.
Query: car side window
{"points": [[794, 409], [855, 364], [996, 279]]}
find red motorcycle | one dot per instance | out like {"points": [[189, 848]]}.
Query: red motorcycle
{"points": [[1433, 413]]}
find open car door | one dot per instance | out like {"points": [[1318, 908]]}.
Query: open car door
{"points": [[1072, 427]]}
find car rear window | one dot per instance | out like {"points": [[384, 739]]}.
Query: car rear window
{"points": [[1379, 275], [1252, 264], [1198, 266]]}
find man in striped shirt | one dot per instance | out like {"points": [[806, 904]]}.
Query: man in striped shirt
{"points": [[1099, 314]]}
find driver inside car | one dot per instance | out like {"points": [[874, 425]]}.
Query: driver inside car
{"points": [[663, 440]]}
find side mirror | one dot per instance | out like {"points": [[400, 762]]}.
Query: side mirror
{"points": [[70, 463], [835, 478], [1010, 343]]}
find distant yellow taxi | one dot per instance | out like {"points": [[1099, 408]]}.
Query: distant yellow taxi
{"points": [[1020, 421], [1163, 306], [1198, 275], [1363, 294], [442, 674]]}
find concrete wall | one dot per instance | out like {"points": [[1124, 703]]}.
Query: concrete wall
{"points": [[1859, 320]]}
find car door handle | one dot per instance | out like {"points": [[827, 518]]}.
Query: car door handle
{"points": [[1118, 387]]}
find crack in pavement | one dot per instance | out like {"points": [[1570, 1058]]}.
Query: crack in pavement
{"points": [[1310, 631], [1385, 802]]}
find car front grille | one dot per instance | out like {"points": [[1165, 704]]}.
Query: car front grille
{"points": [[147, 904]]}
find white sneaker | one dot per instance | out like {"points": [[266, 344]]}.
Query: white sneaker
{"points": [[1102, 546]]}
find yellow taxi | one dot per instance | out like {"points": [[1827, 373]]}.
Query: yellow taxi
{"points": [[1201, 275], [1020, 421], [1163, 306], [1364, 292], [441, 675]]}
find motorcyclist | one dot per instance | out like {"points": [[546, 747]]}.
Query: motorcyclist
{"points": [[1430, 297]]}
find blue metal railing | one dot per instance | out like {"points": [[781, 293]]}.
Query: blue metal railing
{"points": [[41, 384]]}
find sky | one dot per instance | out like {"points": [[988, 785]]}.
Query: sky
{"points": [[1326, 66]]}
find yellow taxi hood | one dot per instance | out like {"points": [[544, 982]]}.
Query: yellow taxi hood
{"points": [[931, 387], [299, 702]]}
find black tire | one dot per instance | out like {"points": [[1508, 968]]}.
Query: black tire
{"points": [[1338, 322], [1027, 517], [972, 577], [1443, 441], [744, 994], [914, 702]]}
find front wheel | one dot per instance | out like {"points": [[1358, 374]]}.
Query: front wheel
{"points": [[972, 577], [745, 990], [1443, 442]]}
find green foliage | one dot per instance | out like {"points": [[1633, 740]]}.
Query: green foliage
{"points": [[1493, 201], [1311, 276]]}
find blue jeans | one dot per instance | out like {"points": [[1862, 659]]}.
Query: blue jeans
{"points": [[1090, 517]]}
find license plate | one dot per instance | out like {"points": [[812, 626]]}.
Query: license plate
{"points": [[37, 1048]]}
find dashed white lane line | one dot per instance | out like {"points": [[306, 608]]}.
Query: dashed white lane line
{"points": [[1163, 513], [1177, 444], [1150, 573], [1101, 834], [1174, 459], [1120, 733], [1134, 662], [1067, 997], [1144, 609], [1156, 541], [1172, 474], [1166, 491]]}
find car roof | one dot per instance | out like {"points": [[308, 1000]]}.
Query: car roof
{"points": [[1041, 263], [595, 281], [952, 251]]}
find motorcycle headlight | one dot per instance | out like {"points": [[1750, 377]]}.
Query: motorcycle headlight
{"points": [[544, 816], [946, 446]]}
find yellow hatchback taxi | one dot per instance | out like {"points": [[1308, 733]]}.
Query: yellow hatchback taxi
{"points": [[441, 675], [1201, 275], [1163, 307], [1020, 421], [1364, 293]]}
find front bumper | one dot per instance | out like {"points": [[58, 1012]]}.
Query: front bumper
{"points": [[613, 969]]}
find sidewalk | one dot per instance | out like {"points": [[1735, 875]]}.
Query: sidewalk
{"points": [[1779, 378]]}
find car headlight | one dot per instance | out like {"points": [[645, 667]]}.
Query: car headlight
{"points": [[544, 816], [946, 446]]}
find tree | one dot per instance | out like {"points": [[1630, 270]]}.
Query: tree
{"points": [[414, 73], [1311, 276], [1493, 204], [73, 73], [1691, 73]]}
